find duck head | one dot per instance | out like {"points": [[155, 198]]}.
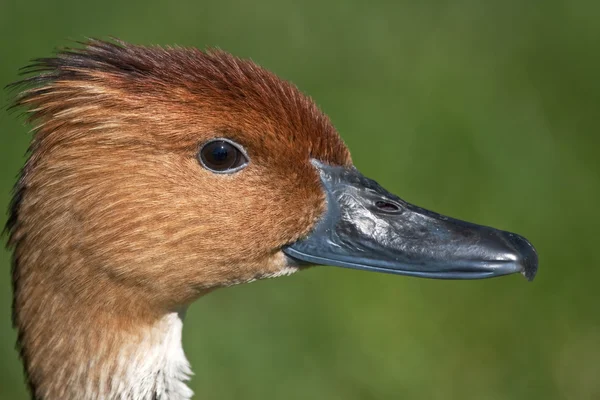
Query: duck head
{"points": [[158, 174], [178, 170]]}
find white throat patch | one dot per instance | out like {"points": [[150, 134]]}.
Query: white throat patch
{"points": [[153, 366]]}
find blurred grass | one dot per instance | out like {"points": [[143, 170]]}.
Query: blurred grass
{"points": [[484, 110]]}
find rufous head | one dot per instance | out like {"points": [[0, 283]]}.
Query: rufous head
{"points": [[115, 172], [121, 182]]}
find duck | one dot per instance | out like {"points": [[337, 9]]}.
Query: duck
{"points": [[156, 175]]}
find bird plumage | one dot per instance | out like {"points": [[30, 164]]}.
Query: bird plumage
{"points": [[114, 224], [119, 220]]}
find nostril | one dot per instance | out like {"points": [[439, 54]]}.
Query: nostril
{"points": [[387, 206]]}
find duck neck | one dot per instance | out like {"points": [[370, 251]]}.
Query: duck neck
{"points": [[96, 354]]}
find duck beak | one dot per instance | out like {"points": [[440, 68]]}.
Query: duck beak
{"points": [[366, 227]]}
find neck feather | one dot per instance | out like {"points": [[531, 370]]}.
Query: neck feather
{"points": [[151, 365], [101, 361]]}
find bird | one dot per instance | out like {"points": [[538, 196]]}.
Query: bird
{"points": [[156, 175]]}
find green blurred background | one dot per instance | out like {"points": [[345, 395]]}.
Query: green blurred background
{"points": [[483, 110]]}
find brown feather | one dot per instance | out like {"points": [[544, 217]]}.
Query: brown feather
{"points": [[114, 222]]}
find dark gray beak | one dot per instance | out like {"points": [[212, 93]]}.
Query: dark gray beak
{"points": [[366, 227]]}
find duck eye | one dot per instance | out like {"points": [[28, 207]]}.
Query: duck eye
{"points": [[222, 156]]}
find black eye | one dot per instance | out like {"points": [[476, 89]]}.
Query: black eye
{"points": [[222, 156]]}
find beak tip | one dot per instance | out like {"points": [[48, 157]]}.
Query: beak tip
{"points": [[530, 270], [527, 256]]}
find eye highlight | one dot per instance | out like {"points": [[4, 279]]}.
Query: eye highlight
{"points": [[222, 156]]}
